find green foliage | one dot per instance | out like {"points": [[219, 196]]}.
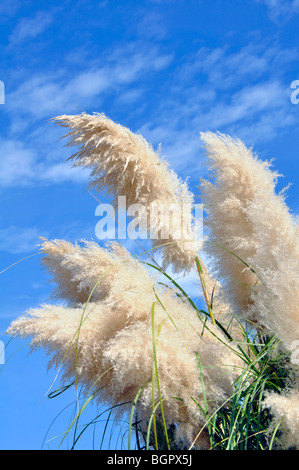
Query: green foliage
{"points": [[243, 423]]}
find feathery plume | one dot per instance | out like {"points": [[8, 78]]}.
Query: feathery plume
{"points": [[115, 335], [79, 270], [124, 163], [285, 408], [247, 217]]}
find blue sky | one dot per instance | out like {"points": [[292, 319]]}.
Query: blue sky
{"points": [[169, 69]]}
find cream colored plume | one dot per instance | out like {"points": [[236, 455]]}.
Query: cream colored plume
{"points": [[81, 269], [114, 334], [124, 164], [285, 410], [248, 218]]}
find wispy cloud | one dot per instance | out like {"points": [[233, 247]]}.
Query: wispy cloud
{"points": [[26, 153], [20, 166], [31, 27], [9, 8], [224, 69], [48, 94], [281, 9], [17, 240], [16, 163], [247, 104], [242, 93]]}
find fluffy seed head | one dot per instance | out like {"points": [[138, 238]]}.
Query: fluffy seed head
{"points": [[285, 408], [115, 338], [124, 163], [248, 218]]}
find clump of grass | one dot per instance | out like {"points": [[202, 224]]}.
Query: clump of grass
{"points": [[243, 423]]}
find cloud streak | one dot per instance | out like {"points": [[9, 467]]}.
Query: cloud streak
{"points": [[17, 240], [281, 9], [20, 166], [243, 93], [47, 94], [30, 28]]}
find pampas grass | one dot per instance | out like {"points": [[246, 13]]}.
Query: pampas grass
{"points": [[114, 333], [124, 163], [248, 218], [214, 376]]}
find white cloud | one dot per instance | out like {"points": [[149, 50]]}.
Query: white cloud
{"points": [[16, 163], [46, 95], [87, 84], [224, 70], [244, 94], [29, 28], [20, 166], [247, 104], [62, 172], [18, 240], [40, 96], [281, 9]]}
